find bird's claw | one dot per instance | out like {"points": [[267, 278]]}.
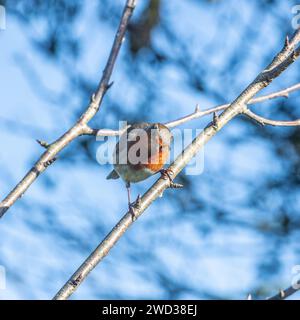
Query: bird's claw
{"points": [[166, 174], [136, 205]]}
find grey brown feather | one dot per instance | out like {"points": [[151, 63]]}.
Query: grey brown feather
{"points": [[123, 167], [113, 175]]}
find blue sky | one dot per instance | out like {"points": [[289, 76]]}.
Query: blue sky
{"points": [[41, 249]]}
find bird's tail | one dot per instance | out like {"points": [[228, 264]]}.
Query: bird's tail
{"points": [[113, 175]]}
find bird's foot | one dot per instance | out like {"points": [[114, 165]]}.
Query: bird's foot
{"points": [[135, 205], [166, 174]]}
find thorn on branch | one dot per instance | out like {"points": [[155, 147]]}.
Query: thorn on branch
{"points": [[93, 98], [46, 145], [197, 108], [295, 54], [174, 185], [109, 85], [43, 144], [287, 42]]}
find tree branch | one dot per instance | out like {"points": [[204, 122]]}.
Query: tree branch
{"points": [[201, 113], [79, 127], [197, 113], [263, 121], [282, 60], [283, 294]]}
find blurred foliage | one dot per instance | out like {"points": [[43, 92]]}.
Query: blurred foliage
{"points": [[155, 46]]}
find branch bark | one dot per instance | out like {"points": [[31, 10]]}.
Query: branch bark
{"points": [[79, 127], [283, 294], [281, 61], [277, 123], [201, 113]]}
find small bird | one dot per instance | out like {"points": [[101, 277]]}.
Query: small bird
{"points": [[140, 153]]}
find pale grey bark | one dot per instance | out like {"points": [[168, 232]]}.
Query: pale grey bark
{"points": [[276, 123], [198, 113]]}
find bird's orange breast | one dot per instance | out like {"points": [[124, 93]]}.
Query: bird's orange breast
{"points": [[157, 161]]}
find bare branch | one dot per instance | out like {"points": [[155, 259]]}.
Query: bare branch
{"points": [[283, 294], [80, 126], [103, 132], [281, 61], [197, 113], [263, 121]]}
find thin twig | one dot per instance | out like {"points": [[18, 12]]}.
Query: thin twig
{"points": [[281, 61], [80, 126], [104, 132], [199, 113], [263, 121]]}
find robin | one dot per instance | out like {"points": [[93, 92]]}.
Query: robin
{"points": [[140, 153]]}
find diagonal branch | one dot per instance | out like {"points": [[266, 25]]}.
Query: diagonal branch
{"points": [[283, 294], [78, 128], [281, 61]]}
